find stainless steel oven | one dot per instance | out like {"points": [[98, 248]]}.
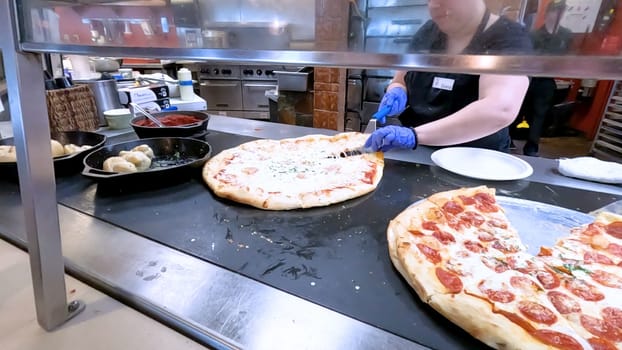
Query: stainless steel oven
{"points": [[238, 91], [254, 94], [225, 95]]}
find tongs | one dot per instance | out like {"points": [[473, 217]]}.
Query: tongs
{"points": [[135, 107]]}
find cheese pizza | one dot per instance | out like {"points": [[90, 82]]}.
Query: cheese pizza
{"points": [[304, 172], [461, 255]]}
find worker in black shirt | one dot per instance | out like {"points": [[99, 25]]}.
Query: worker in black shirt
{"points": [[550, 39], [450, 109]]}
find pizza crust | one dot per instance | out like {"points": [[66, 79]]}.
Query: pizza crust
{"points": [[477, 318]]}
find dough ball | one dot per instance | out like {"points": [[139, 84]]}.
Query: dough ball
{"points": [[57, 149], [119, 165], [139, 159], [7, 154], [71, 148], [145, 149]]}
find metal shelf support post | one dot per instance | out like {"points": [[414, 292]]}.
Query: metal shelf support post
{"points": [[31, 129]]}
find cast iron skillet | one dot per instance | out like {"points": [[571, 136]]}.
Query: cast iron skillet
{"points": [[196, 130], [63, 165], [176, 160]]}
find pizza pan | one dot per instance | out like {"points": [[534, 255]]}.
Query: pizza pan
{"points": [[64, 165], [176, 159]]}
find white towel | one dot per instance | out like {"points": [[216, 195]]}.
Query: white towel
{"points": [[592, 169]]}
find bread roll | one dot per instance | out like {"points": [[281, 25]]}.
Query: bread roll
{"points": [[139, 159], [57, 148], [145, 149], [7, 154], [119, 165]]}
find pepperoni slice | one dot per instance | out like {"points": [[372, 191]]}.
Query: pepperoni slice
{"points": [[601, 328], [615, 249], [521, 265], [601, 344], [498, 223], [499, 296], [450, 280], [467, 200], [563, 303], [524, 283], [457, 224], [613, 315], [594, 257], [505, 248], [444, 237], [472, 218], [485, 236], [584, 290], [548, 278], [453, 208], [475, 247], [429, 225], [536, 312], [607, 279], [485, 203], [614, 229], [557, 339], [431, 254], [592, 229], [494, 264]]}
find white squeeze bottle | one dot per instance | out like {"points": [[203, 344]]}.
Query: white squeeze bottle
{"points": [[186, 92]]}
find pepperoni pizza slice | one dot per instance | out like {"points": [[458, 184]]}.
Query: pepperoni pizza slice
{"points": [[461, 255], [590, 295]]}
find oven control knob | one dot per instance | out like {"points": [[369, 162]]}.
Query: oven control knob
{"points": [[248, 72], [269, 72], [226, 71], [216, 71], [259, 71]]}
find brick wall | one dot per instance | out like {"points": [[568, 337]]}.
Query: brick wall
{"points": [[331, 33]]}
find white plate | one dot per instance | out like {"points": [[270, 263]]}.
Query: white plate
{"points": [[481, 163]]}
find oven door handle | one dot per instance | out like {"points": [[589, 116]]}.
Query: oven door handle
{"points": [[220, 85], [260, 85]]}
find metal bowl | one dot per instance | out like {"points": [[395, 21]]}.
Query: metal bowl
{"points": [[63, 165], [198, 129]]}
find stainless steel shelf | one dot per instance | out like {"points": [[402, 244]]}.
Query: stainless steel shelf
{"points": [[594, 67]]}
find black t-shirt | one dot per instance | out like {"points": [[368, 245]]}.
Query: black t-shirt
{"points": [[428, 103]]}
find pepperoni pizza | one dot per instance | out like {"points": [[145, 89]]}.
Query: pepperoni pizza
{"points": [[459, 252]]}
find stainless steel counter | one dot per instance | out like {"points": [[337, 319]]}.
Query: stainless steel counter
{"points": [[214, 305]]}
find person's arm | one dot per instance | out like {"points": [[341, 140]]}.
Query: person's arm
{"points": [[398, 80], [500, 98]]}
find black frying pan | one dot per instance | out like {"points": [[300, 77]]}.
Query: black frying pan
{"points": [[176, 159], [64, 165]]}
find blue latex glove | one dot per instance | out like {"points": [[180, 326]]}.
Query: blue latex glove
{"points": [[393, 103], [390, 137]]}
